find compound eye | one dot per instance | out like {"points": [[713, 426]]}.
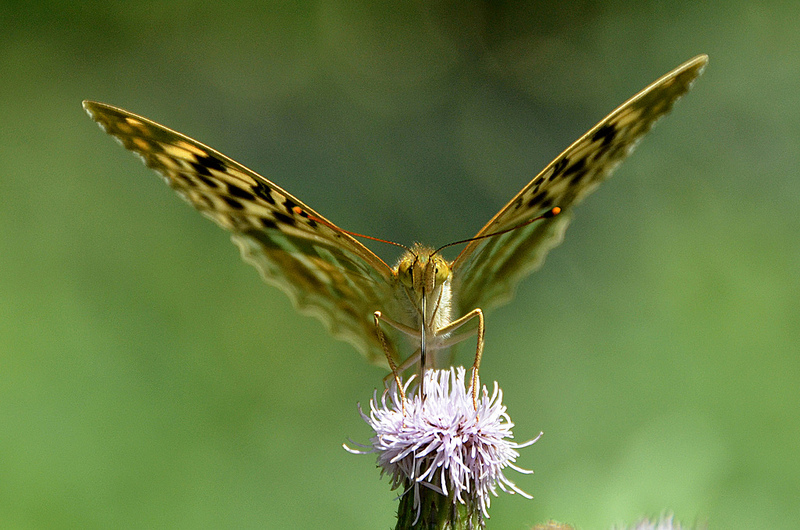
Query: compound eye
{"points": [[442, 273], [405, 271]]}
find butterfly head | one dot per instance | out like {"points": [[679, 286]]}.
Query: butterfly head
{"points": [[423, 272]]}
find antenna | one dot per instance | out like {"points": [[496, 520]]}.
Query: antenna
{"points": [[299, 211], [552, 212]]}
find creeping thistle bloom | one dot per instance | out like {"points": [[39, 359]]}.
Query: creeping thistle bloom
{"points": [[666, 522], [447, 456]]}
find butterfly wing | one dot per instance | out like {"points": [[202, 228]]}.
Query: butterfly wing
{"points": [[324, 271], [487, 271]]}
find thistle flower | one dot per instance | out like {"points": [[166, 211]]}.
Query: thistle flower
{"points": [[666, 522], [447, 456]]}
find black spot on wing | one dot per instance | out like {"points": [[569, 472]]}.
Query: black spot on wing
{"points": [[579, 165], [576, 172], [601, 153], [284, 219], [211, 162], [559, 167], [268, 223], [577, 177], [210, 182], [233, 203], [201, 200], [180, 179], [262, 191], [200, 169], [537, 199], [239, 193], [607, 133]]}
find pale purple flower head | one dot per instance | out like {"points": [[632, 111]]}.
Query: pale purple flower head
{"points": [[666, 522], [443, 443]]}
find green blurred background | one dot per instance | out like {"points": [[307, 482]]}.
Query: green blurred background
{"points": [[149, 379]]}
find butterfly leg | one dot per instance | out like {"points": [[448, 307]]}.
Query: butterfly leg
{"points": [[378, 317], [475, 313], [410, 361], [407, 330], [405, 365]]}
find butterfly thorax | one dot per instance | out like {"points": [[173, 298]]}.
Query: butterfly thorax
{"points": [[425, 276]]}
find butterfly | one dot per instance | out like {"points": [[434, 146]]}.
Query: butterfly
{"points": [[329, 274]]}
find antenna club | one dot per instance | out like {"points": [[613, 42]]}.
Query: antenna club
{"points": [[553, 212]]}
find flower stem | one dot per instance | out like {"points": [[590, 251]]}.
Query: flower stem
{"points": [[436, 512]]}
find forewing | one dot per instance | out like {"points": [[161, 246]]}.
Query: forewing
{"points": [[324, 271], [487, 271]]}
